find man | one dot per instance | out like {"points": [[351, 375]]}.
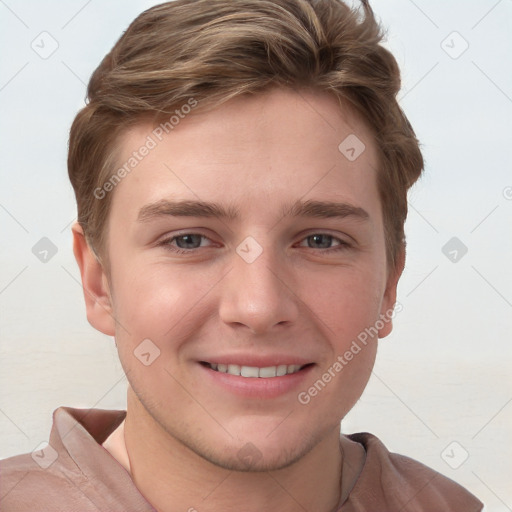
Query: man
{"points": [[241, 173]]}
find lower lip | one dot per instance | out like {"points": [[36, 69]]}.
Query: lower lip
{"points": [[258, 387]]}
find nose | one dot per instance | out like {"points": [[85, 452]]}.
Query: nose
{"points": [[258, 294]]}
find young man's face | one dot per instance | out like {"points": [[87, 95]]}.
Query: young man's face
{"points": [[264, 289]]}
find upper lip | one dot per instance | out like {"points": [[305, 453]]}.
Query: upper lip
{"points": [[257, 361]]}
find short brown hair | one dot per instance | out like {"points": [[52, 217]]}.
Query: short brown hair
{"points": [[214, 50]]}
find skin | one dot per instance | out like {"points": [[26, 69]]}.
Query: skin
{"points": [[182, 435]]}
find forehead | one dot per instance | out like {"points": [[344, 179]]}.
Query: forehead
{"points": [[251, 152]]}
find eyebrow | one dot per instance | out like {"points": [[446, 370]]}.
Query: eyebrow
{"points": [[186, 208]]}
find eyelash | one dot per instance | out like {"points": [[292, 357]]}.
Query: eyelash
{"points": [[177, 250]]}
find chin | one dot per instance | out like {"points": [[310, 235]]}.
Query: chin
{"points": [[250, 458], [262, 449]]}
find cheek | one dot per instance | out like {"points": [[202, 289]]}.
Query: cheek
{"points": [[348, 308], [149, 299], [347, 300], [165, 305], [151, 307]]}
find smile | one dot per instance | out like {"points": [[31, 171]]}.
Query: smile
{"points": [[254, 371]]}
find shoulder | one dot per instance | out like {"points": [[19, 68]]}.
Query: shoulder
{"points": [[391, 481], [25, 482], [67, 473]]}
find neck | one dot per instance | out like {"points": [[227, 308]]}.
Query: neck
{"points": [[171, 477]]}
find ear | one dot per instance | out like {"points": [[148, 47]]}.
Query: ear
{"points": [[389, 299], [95, 284]]}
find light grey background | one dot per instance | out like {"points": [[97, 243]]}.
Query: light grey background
{"points": [[442, 377]]}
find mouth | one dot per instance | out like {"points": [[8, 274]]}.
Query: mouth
{"points": [[267, 372]]}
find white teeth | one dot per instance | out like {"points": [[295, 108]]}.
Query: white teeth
{"points": [[233, 369], [270, 371], [254, 371], [249, 371], [281, 370]]}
